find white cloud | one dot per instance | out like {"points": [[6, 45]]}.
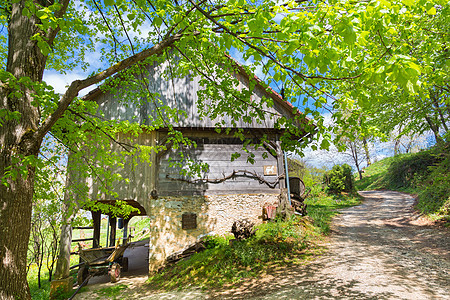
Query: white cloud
{"points": [[60, 82]]}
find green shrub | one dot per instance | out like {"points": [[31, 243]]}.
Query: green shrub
{"points": [[339, 179], [434, 196]]}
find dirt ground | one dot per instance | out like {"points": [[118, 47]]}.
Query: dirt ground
{"points": [[380, 249]]}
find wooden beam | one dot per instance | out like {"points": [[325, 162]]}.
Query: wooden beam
{"points": [[280, 164], [154, 159], [112, 236], [82, 240], [96, 218]]}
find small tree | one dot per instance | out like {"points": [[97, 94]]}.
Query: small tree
{"points": [[339, 179], [37, 242]]}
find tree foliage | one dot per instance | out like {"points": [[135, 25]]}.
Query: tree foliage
{"points": [[339, 179], [419, 99], [327, 54]]}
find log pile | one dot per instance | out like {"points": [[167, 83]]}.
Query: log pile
{"points": [[299, 206], [186, 253], [243, 229]]}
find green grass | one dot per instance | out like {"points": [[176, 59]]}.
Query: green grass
{"points": [[111, 292], [276, 244], [374, 175], [322, 207], [44, 291]]}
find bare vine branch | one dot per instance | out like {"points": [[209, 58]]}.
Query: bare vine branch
{"points": [[234, 174]]}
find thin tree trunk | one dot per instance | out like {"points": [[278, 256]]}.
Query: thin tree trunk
{"points": [[397, 147], [354, 149], [51, 258], [439, 111], [366, 151]]}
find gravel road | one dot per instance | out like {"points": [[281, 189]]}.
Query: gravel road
{"points": [[380, 249]]}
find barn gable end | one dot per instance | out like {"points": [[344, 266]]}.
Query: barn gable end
{"points": [[227, 191]]}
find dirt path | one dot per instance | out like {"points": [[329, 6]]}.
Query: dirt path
{"points": [[378, 250]]}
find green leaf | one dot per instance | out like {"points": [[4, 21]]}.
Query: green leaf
{"points": [[349, 35], [380, 70], [408, 2], [293, 45], [254, 26], [410, 86], [325, 144], [432, 11], [109, 2], [228, 41], [157, 22]]}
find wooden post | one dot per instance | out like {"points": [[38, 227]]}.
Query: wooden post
{"points": [[284, 209], [112, 236], [280, 165], [96, 218], [125, 230], [154, 136]]}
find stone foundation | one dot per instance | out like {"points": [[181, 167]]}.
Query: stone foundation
{"points": [[215, 215]]}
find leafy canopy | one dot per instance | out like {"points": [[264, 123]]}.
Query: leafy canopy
{"points": [[328, 56]]}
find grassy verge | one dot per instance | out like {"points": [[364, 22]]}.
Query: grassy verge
{"points": [[275, 244]]}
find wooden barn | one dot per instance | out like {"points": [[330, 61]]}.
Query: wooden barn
{"points": [[184, 208]]}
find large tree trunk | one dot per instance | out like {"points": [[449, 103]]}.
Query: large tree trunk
{"points": [[16, 192]]}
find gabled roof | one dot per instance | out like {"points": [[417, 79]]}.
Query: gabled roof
{"points": [[286, 107]]}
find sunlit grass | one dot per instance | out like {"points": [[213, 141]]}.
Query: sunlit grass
{"points": [[44, 291], [323, 207]]}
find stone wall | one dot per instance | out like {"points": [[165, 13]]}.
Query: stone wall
{"points": [[215, 214]]}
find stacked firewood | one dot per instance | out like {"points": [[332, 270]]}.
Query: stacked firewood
{"points": [[190, 250], [299, 206], [243, 229]]}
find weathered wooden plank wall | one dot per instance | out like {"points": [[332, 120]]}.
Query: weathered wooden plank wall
{"points": [[179, 93], [218, 157], [144, 177]]}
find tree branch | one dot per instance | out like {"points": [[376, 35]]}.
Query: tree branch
{"points": [[238, 173], [261, 52], [52, 32]]}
